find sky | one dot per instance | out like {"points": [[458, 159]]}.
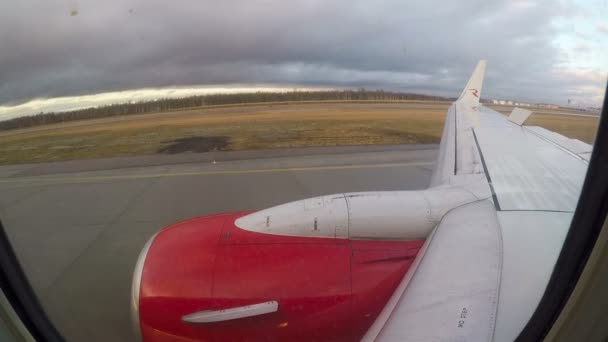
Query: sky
{"points": [[62, 54]]}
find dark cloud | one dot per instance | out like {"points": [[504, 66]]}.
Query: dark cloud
{"points": [[56, 48]]}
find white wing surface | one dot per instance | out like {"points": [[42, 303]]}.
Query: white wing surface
{"points": [[486, 264]]}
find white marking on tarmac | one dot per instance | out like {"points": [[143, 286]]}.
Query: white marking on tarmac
{"points": [[66, 180]]}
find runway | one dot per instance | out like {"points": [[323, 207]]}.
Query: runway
{"points": [[77, 227]]}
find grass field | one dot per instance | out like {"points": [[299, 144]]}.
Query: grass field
{"points": [[248, 129]]}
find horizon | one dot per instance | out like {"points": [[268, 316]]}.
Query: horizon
{"points": [[71, 103]]}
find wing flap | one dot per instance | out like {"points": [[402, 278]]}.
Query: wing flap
{"points": [[572, 145], [519, 116]]}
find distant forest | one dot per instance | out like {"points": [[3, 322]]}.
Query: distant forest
{"points": [[163, 105]]}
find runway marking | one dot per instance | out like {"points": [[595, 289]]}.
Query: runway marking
{"points": [[60, 180]]}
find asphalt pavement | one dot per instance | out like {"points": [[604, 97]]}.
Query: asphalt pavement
{"points": [[77, 227]]}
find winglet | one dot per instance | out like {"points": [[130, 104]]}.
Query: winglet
{"points": [[472, 91]]}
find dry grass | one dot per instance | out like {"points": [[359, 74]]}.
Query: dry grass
{"points": [[254, 128], [578, 127]]}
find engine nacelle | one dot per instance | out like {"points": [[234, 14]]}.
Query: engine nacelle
{"points": [[379, 215], [207, 279]]}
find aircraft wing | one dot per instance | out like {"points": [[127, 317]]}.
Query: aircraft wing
{"points": [[467, 259], [484, 267]]}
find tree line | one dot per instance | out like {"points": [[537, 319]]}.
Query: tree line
{"points": [[162, 105]]}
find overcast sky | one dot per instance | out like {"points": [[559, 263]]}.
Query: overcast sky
{"points": [[537, 51]]}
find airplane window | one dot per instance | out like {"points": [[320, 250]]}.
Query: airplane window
{"points": [[263, 170]]}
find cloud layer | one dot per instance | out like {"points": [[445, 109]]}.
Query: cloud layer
{"points": [[59, 48]]}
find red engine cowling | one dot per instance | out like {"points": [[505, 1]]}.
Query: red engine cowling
{"points": [[326, 289]]}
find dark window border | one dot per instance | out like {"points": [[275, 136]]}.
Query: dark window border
{"points": [[586, 225], [22, 298]]}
